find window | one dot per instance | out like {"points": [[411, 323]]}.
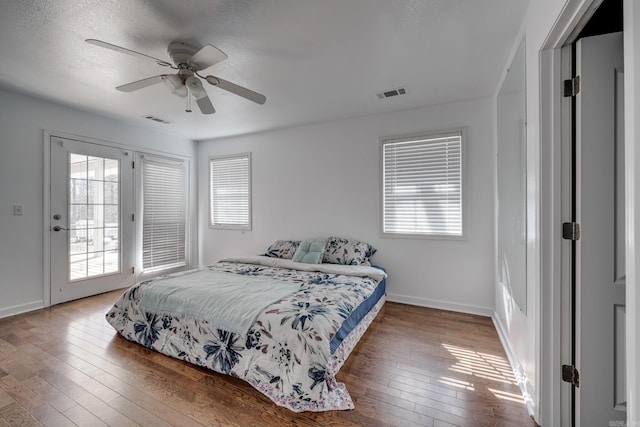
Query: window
{"points": [[230, 192], [422, 185], [164, 213]]}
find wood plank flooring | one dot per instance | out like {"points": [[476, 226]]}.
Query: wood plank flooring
{"points": [[66, 366]]}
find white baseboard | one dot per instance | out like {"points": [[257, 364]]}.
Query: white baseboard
{"points": [[442, 305], [21, 308], [518, 370]]}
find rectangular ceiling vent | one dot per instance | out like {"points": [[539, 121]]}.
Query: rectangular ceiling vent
{"points": [[392, 92], [157, 119]]}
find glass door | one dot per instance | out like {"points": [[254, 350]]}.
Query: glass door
{"points": [[92, 223]]}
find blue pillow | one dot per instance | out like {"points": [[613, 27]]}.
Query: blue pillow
{"points": [[310, 252]]}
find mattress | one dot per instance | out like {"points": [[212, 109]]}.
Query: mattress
{"points": [[294, 347]]}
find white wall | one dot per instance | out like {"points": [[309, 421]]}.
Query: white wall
{"points": [[521, 332], [323, 179], [23, 121]]}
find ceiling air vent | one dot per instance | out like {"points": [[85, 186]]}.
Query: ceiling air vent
{"points": [[392, 92], [157, 119]]}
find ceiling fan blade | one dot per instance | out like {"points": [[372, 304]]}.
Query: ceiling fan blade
{"points": [[236, 89], [206, 57], [139, 84], [127, 51], [205, 105]]}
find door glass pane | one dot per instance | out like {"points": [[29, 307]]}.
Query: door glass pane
{"points": [[78, 166], [111, 193], [96, 240], [78, 190], [111, 264], [94, 226], [111, 215], [77, 266], [96, 192], [111, 170]]}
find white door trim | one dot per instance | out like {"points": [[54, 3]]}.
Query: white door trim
{"points": [[46, 230], [550, 409]]}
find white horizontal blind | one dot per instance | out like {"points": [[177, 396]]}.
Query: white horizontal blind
{"points": [[164, 211], [230, 191], [422, 185]]}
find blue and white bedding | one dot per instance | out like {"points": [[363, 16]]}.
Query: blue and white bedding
{"points": [[294, 344]]}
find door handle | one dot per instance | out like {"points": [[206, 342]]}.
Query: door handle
{"points": [[58, 228]]}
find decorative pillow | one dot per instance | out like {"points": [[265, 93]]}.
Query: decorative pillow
{"points": [[283, 249], [310, 252], [348, 252]]}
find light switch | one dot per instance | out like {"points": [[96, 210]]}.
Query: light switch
{"points": [[17, 209]]}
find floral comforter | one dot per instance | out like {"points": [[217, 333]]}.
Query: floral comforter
{"points": [[285, 354]]}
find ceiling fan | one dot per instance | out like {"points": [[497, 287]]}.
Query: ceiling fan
{"points": [[189, 61]]}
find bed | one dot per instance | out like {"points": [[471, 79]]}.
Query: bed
{"points": [[285, 327]]}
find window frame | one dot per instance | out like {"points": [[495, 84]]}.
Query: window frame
{"points": [[384, 140], [243, 227]]}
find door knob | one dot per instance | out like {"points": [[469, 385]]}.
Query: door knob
{"points": [[58, 228]]}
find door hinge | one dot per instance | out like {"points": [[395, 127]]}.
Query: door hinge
{"points": [[570, 375], [133, 217], [572, 86], [571, 231], [133, 270], [133, 165]]}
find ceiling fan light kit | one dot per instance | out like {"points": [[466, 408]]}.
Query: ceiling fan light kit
{"points": [[194, 86], [175, 85], [188, 60]]}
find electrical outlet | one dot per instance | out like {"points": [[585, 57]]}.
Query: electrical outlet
{"points": [[17, 210]]}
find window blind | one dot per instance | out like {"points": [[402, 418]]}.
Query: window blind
{"points": [[164, 211], [230, 191], [422, 185]]}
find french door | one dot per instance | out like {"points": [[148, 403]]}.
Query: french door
{"points": [[92, 244]]}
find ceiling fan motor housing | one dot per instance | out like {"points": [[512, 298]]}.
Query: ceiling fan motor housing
{"points": [[181, 52]]}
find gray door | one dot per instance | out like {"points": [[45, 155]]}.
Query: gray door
{"points": [[600, 251]]}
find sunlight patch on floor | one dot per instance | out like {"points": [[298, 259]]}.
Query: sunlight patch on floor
{"points": [[457, 383], [505, 395], [482, 365]]}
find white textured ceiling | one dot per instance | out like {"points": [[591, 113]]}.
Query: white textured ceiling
{"points": [[315, 60]]}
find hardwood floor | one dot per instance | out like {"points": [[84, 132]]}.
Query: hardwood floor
{"points": [[66, 366]]}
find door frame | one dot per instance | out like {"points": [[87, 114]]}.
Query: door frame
{"points": [[46, 202], [554, 320]]}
